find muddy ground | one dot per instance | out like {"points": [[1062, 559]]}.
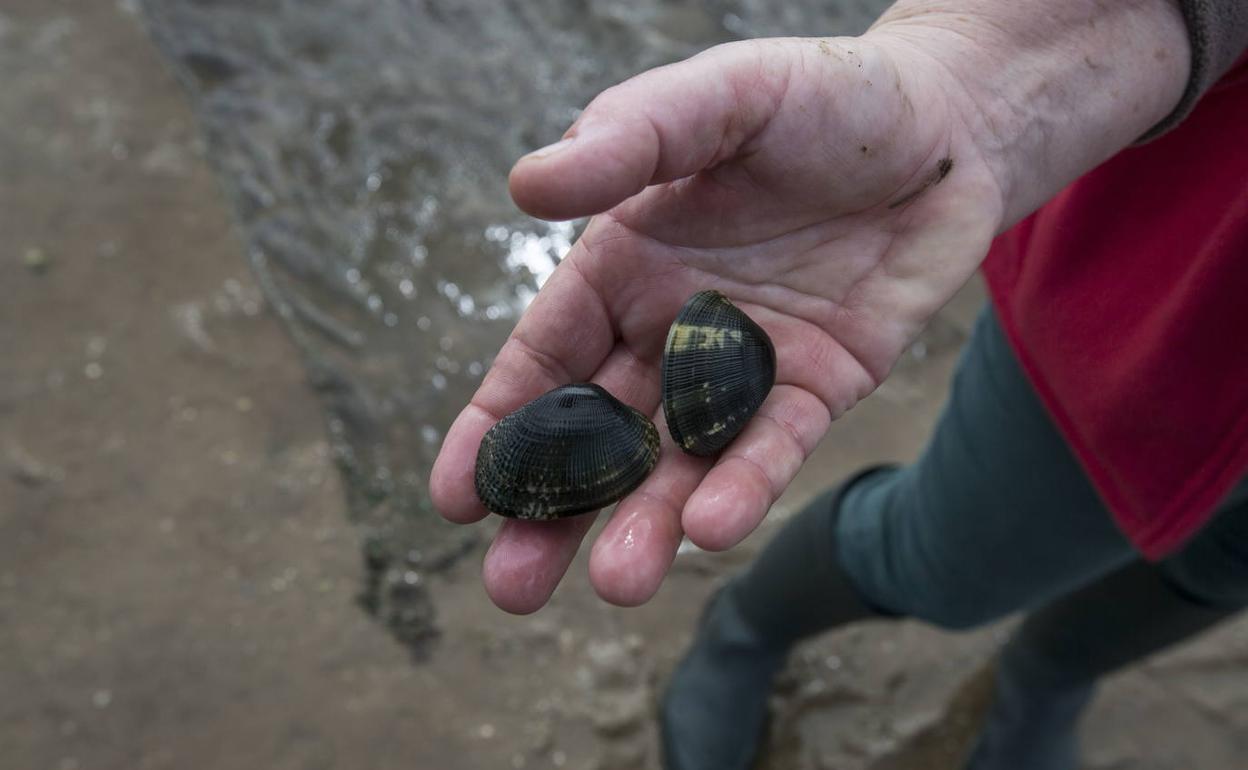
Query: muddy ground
{"points": [[178, 578]]}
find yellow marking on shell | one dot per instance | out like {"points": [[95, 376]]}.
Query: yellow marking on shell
{"points": [[687, 337]]}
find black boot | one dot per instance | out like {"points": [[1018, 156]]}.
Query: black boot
{"points": [[1048, 670], [714, 711]]}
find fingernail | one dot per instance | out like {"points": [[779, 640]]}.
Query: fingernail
{"points": [[549, 149]]}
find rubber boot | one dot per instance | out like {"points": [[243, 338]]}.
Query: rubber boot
{"points": [[713, 714], [1048, 671]]}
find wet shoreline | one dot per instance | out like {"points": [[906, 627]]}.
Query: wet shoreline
{"points": [[179, 565]]}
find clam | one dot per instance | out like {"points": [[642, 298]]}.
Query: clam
{"points": [[718, 366], [572, 450]]}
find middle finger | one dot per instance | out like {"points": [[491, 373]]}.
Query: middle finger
{"points": [[529, 558]]}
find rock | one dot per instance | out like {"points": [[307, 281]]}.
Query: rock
{"points": [[35, 260], [29, 470], [618, 714], [611, 664]]}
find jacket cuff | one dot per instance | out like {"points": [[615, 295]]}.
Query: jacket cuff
{"points": [[1218, 31]]}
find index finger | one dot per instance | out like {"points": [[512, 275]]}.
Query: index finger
{"points": [[563, 337]]}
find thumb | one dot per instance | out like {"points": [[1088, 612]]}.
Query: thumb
{"points": [[662, 125]]}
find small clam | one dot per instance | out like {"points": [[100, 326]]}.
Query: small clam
{"points": [[718, 366], [572, 450]]}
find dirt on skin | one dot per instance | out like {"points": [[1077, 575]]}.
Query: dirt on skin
{"points": [[177, 577]]}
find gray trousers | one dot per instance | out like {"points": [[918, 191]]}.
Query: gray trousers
{"points": [[997, 515]]}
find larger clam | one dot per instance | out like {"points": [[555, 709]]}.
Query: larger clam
{"points": [[718, 366], [572, 450]]}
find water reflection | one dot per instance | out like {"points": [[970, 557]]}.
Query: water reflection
{"points": [[365, 146]]}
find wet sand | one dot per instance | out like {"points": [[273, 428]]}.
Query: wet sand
{"points": [[177, 572]]}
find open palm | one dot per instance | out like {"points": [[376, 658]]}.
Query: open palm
{"points": [[827, 186]]}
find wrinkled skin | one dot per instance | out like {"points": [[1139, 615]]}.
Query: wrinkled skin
{"points": [[832, 188]]}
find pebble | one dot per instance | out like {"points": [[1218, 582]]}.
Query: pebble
{"points": [[35, 260], [621, 713], [31, 471], [612, 665]]}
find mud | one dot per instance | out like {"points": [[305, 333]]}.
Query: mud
{"points": [[180, 552]]}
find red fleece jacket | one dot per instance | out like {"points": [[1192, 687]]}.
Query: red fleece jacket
{"points": [[1126, 299]]}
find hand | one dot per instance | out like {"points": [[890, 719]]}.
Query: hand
{"points": [[829, 187]]}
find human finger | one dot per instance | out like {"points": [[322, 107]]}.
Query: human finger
{"points": [[756, 467], [636, 548], [664, 124], [528, 559]]}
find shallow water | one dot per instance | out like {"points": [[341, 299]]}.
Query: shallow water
{"points": [[364, 145]]}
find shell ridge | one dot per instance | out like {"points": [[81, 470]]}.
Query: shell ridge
{"points": [[571, 450], [718, 367]]}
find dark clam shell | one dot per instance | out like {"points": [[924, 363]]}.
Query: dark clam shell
{"points": [[718, 366], [572, 450]]}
